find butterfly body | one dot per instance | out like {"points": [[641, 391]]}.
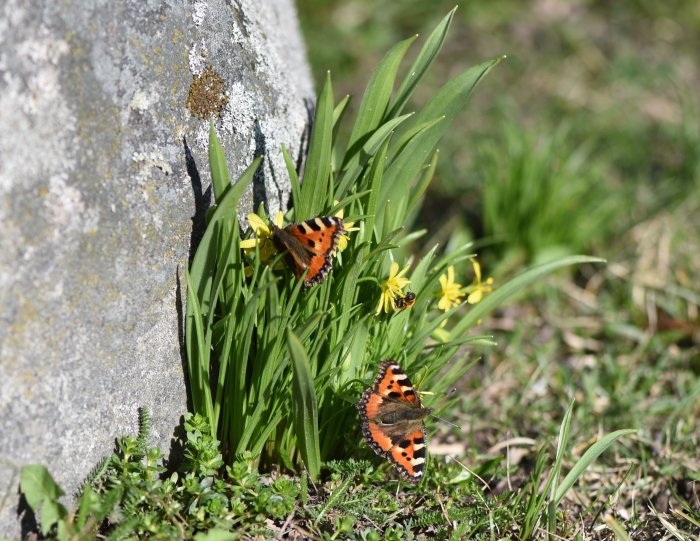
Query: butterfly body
{"points": [[392, 421], [310, 245]]}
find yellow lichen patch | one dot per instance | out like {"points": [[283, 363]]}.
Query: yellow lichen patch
{"points": [[207, 96]]}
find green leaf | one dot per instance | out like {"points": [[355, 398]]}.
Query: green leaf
{"points": [[304, 406], [593, 452], [89, 503], [422, 184], [354, 166], [334, 498], [52, 512], [378, 92], [314, 188], [339, 111], [502, 293], [563, 442], [447, 103], [42, 493], [376, 173], [420, 66], [413, 131], [618, 529], [293, 176], [37, 485], [216, 535], [562, 445], [220, 178]]}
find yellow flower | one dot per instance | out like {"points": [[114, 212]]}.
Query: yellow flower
{"points": [[263, 236], [451, 294], [343, 240], [392, 287], [477, 289]]}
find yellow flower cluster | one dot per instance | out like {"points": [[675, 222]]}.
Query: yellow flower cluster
{"points": [[452, 293]]}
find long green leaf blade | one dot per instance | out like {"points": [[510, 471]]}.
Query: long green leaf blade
{"points": [[420, 66], [375, 183], [510, 288], [315, 185], [422, 184], [447, 103], [293, 176], [360, 159], [562, 445], [378, 92], [220, 177], [593, 452], [304, 406]]}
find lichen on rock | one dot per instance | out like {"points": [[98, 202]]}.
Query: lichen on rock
{"points": [[207, 96]]}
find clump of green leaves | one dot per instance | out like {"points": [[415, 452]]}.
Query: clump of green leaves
{"points": [[130, 494], [289, 363]]}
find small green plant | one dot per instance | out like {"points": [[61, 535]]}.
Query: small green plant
{"points": [[129, 495], [289, 363]]}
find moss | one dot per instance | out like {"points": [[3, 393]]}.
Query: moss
{"points": [[207, 96]]}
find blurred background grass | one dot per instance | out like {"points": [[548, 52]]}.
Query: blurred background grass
{"points": [[585, 140], [589, 127]]}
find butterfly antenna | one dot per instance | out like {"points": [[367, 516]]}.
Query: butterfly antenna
{"points": [[446, 422], [452, 392]]}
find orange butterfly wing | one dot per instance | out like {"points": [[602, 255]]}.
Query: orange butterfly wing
{"points": [[310, 245], [392, 421], [409, 456]]}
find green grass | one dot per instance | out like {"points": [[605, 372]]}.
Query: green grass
{"points": [[129, 495], [543, 197]]}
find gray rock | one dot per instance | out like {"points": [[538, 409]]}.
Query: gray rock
{"points": [[97, 203]]}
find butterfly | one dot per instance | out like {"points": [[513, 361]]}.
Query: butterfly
{"points": [[392, 421], [405, 302], [310, 245]]}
